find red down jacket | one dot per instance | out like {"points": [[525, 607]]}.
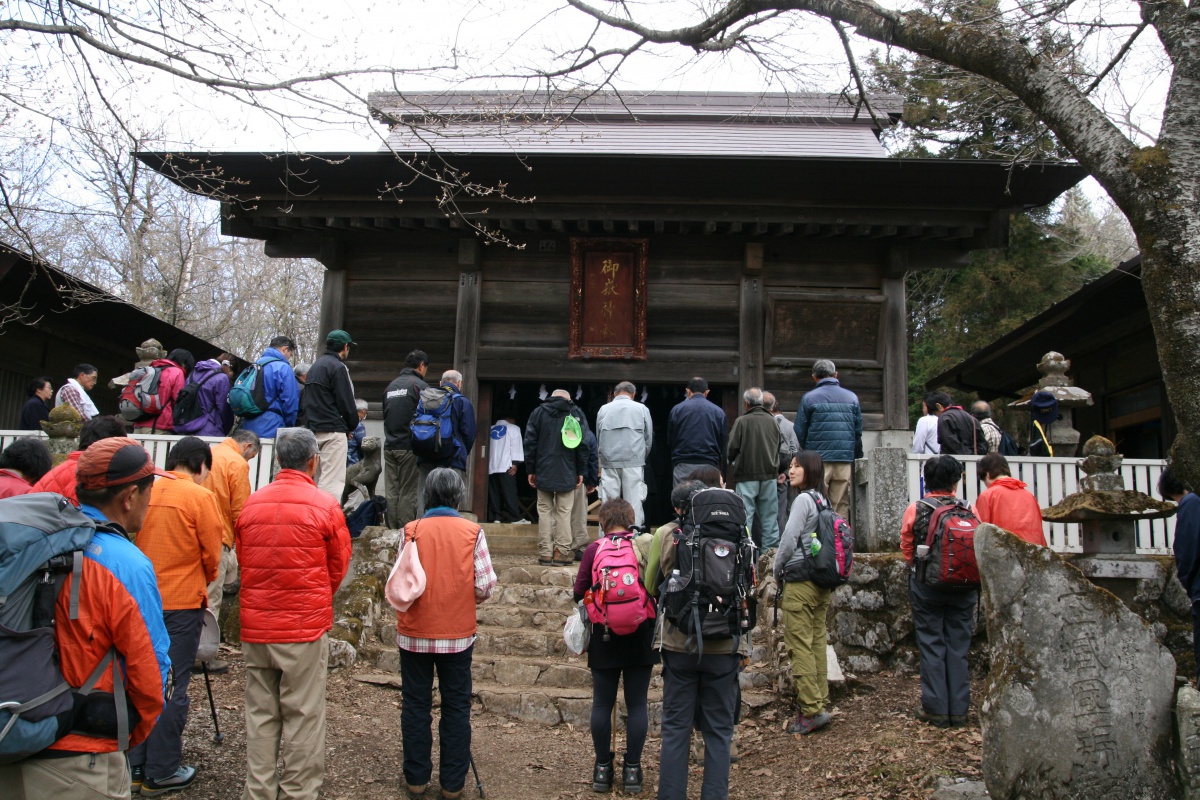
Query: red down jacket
{"points": [[294, 549], [61, 479]]}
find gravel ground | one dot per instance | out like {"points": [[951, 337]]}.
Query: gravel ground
{"points": [[873, 748]]}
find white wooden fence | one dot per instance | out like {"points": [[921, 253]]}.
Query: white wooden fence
{"points": [[1052, 479], [158, 444]]}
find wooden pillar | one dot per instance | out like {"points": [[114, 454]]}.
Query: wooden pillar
{"points": [[333, 306], [895, 342], [466, 357], [753, 324]]}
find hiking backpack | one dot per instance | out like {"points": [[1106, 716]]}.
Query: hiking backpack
{"points": [[248, 396], [1008, 445], [950, 563], [620, 601], [139, 399], [433, 425], [830, 566], [188, 415], [711, 592], [42, 537]]}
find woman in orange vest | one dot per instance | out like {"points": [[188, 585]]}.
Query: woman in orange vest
{"points": [[438, 632]]}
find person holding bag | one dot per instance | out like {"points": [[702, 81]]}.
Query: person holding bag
{"points": [[622, 642], [437, 631], [805, 604]]}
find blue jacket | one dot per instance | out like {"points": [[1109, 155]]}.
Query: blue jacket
{"points": [[697, 432], [354, 446], [1187, 544], [283, 396], [829, 421]]}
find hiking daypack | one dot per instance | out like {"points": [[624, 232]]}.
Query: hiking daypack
{"points": [[433, 425], [42, 537], [248, 396], [572, 433], [189, 416], [711, 592], [950, 564], [834, 559], [139, 399], [619, 598], [1008, 445]]}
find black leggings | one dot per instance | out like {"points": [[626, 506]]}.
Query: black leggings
{"points": [[604, 697]]}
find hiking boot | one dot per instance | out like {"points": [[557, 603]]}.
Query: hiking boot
{"points": [[449, 795], [181, 779], [806, 725], [563, 558], [416, 791], [958, 720], [936, 720], [546, 562], [602, 775], [631, 777], [137, 776]]}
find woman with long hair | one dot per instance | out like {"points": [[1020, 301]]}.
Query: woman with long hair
{"points": [[609, 657], [805, 605]]}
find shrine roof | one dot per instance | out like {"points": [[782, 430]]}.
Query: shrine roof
{"points": [[655, 123]]}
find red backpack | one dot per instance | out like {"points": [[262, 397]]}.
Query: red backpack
{"points": [[950, 564], [619, 598], [139, 399]]}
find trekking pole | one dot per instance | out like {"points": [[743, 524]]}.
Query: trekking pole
{"points": [[478, 783], [218, 737]]}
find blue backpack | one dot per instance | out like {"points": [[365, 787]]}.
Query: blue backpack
{"points": [[248, 396], [42, 537], [433, 425]]}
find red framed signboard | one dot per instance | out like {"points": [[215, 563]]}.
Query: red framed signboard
{"points": [[608, 299]]}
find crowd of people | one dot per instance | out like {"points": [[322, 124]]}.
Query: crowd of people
{"points": [[165, 552]]}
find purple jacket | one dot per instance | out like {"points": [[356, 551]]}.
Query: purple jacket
{"points": [[214, 400]]}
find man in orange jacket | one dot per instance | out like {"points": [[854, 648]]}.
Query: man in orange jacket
{"points": [[294, 550], [119, 610], [182, 537]]}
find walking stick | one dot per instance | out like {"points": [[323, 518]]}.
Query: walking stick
{"points": [[478, 783], [218, 737]]}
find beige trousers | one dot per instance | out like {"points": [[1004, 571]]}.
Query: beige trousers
{"points": [[331, 469], [579, 510], [103, 776], [554, 522], [226, 574], [837, 484], [285, 700]]}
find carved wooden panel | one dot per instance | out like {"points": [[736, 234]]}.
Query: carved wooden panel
{"points": [[608, 298], [804, 326]]}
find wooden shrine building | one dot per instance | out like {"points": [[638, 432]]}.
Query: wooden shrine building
{"points": [[658, 237]]}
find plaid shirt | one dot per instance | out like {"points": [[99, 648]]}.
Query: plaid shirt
{"points": [[485, 583], [73, 395]]}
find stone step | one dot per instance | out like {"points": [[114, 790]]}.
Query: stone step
{"points": [[565, 672], [508, 539], [527, 617], [493, 640], [522, 572]]}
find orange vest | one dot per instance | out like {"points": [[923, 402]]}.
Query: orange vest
{"points": [[446, 609]]}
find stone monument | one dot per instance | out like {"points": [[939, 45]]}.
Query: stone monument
{"points": [[1063, 436], [1077, 705], [63, 428]]}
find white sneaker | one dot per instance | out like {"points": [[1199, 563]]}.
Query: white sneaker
{"points": [[522, 522]]}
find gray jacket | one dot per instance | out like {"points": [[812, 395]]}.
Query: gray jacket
{"points": [[788, 445], [796, 542], [625, 433]]}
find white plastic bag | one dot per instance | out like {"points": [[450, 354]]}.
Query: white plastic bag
{"points": [[577, 632]]}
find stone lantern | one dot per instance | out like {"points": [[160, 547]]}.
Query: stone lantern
{"points": [[1063, 436]]}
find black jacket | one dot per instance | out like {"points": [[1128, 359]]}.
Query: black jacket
{"points": [[329, 396], [960, 434], [557, 468], [399, 407]]}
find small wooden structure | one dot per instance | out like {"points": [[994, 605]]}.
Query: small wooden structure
{"points": [[769, 231], [1104, 329], [53, 321]]}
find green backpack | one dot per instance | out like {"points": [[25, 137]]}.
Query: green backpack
{"points": [[572, 434]]}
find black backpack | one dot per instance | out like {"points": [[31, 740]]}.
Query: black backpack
{"points": [[189, 415], [711, 593]]}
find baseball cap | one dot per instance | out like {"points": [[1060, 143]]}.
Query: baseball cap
{"points": [[1044, 407], [341, 337], [115, 462]]}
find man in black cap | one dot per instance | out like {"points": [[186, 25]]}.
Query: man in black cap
{"points": [[330, 411]]}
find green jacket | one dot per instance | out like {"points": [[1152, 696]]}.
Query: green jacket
{"points": [[754, 446]]}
